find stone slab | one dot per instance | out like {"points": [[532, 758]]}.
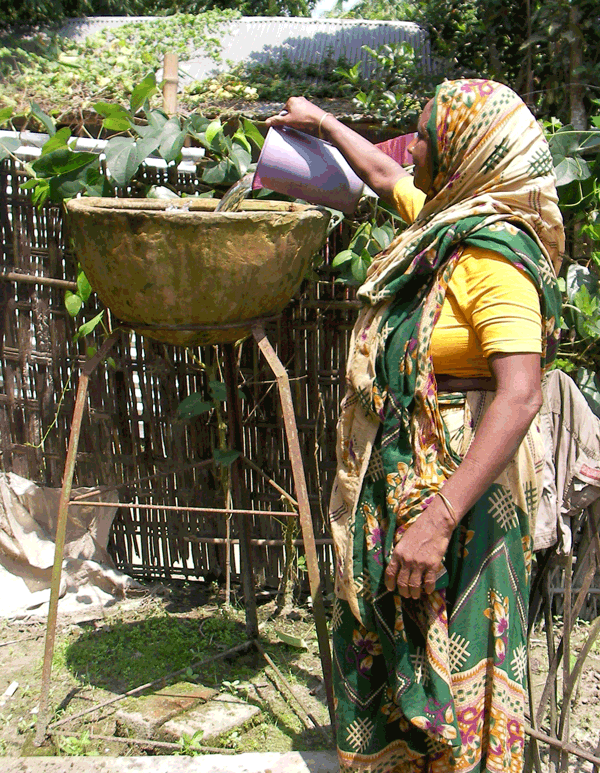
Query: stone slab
{"points": [[252, 762], [143, 715], [215, 718]]}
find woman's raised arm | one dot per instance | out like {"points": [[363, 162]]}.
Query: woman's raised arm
{"points": [[375, 168]]}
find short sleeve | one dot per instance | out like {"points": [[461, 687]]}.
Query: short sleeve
{"points": [[499, 301], [408, 200]]}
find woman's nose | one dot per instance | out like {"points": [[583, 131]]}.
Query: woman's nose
{"points": [[411, 147]]}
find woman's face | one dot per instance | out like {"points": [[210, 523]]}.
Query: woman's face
{"points": [[421, 152]]}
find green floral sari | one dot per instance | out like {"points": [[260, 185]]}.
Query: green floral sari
{"points": [[439, 683]]}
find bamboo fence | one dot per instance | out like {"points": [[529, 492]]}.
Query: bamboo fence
{"points": [[132, 441]]}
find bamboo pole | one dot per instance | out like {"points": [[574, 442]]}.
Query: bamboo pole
{"points": [[170, 80]]}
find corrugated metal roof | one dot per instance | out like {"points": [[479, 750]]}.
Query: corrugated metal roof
{"points": [[261, 39]]}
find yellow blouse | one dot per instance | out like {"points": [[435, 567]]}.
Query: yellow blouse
{"points": [[490, 306]]}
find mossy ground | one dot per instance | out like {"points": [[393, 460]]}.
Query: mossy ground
{"points": [[144, 639]]}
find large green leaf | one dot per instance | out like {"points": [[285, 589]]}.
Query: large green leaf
{"points": [[96, 184], [59, 140], [73, 303], [342, 257], [241, 158], [220, 172], [84, 288], [44, 119], [5, 114], [171, 140], [62, 161], [212, 130], [66, 186], [580, 276], [252, 133], [359, 266], [142, 92], [146, 146], [116, 117], [9, 145], [157, 119], [122, 159], [198, 124], [588, 383], [570, 169]]}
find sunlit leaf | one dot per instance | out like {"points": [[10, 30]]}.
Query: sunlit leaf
{"points": [[73, 303], [116, 117], [88, 327], [252, 133], [122, 159], [382, 236], [342, 257], [241, 158], [59, 140], [44, 119], [5, 114], [212, 130], [171, 140], [145, 89], [84, 288]]}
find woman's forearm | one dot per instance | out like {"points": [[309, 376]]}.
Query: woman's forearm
{"points": [[496, 441], [378, 170]]}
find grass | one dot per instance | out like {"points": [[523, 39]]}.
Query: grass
{"points": [[127, 654], [151, 639]]}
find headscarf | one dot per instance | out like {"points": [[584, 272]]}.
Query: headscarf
{"points": [[493, 186]]}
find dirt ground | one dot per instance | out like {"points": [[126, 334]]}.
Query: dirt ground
{"points": [[145, 638]]}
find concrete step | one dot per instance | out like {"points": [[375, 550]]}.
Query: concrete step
{"points": [[251, 762]]}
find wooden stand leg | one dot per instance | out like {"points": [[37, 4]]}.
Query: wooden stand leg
{"points": [[306, 524], [61, 529]]}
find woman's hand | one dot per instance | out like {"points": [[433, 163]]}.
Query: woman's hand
{"points": [[417, 558], [299, 113]]}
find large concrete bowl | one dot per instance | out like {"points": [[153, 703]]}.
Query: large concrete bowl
{"points": [[177, 270]]}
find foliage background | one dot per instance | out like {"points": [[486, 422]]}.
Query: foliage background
{"points": [[548, 50]]}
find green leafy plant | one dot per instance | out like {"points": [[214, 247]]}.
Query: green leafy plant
{"points": [[77, 746], [61, 172], [54, 70], [190, 745], [396, 91], [368, 239], [233, 687], [576, 158]]}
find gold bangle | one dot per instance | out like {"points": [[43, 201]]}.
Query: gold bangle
{"points": [[320, 129], [450, 508]]}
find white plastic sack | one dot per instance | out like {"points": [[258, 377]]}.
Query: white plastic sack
{"points": [[28, 516]]}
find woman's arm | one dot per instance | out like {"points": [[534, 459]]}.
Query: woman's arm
{"points": [[417, 557], [379, 171]]}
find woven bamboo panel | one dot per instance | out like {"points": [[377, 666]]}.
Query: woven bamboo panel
{"points": [[131, 439]]}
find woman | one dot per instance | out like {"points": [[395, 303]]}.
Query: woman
{"points": [[439, 450]]}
